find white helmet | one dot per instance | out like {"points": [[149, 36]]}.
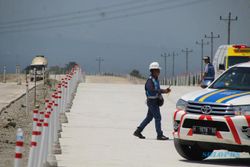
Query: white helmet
{"points": [[154, 65]]}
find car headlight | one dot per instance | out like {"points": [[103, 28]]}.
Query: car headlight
{"points": [[181, 104], [242, 110]]}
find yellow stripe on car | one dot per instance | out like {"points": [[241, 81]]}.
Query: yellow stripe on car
{"points": [[210, 94], [232, 96]]}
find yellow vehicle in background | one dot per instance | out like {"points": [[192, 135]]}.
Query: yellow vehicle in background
{"points": [[230, 55]]}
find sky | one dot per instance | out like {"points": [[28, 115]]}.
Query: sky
{"points": [[127, 34]]}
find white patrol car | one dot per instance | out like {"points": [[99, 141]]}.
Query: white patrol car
{"points": [[217, 117]]}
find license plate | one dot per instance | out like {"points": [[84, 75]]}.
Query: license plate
{"points": [[204, 130]]}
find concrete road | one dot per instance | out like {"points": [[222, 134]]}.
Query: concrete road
{"points": [[107, 79], [101, 124]]}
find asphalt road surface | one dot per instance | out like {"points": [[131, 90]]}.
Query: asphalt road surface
{"points": [[101, 123]]}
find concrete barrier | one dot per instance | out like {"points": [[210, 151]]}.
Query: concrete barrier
{"points": [[47, 124]]}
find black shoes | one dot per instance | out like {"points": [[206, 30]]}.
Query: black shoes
{"points": [[162, 137], [138, 134]]}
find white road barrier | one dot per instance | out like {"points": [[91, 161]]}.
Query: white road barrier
{"points": [[184, 80], [47, 124], [36, 132], [19, 148]]}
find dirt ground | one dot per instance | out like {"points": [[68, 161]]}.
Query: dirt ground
{"points": [[15, 117], [12, 78]]}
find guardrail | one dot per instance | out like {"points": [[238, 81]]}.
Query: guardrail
{"points": [[183, 80], [47, 124]]}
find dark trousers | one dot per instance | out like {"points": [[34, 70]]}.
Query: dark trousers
{"points": [[153, 112]]}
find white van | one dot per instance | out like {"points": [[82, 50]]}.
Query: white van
{"points": [[229, 55]]}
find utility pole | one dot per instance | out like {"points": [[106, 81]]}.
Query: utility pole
{"points": [[4, 74], [164, 55], [187, 51], [27, 92], [212, 37], [100, 60], [18, 73], [35, 87], [173, 70], [229, 19], [43, 71], [202, 43]]}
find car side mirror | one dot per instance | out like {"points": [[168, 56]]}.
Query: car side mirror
{"points": [[222, 67], [205, 83], [203, 86]]}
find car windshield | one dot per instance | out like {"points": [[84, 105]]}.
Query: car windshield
{"points": [[237, 78], [232, 60]]}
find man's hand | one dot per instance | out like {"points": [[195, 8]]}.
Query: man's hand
{"points": [[168, 90]]}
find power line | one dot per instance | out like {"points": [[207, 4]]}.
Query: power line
{"points": [[108, 18], [83, 15], [72, 13], [187, 51], [202, 43], [229, 19], [212, 37]]}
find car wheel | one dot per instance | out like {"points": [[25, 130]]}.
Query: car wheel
{"points": [[194, 152]]}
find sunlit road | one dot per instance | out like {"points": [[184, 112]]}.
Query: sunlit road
{"points": [[101, 123]]}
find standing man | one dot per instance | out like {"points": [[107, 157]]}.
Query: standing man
{"points": [[208, 75], [153, 93]]}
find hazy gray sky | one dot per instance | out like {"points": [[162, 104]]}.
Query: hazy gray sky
{"points": [[128, 34]]}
